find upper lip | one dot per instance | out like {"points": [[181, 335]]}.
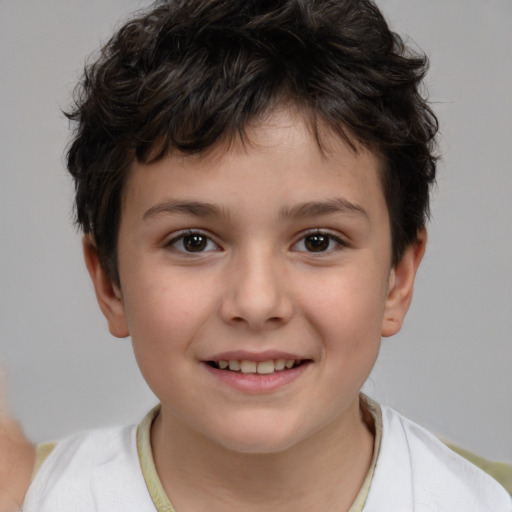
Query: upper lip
{"points": [[244, 355]]}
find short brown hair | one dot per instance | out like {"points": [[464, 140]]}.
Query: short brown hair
{"points": [[186, 74]]}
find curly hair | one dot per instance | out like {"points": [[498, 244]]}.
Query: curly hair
{"points": [[187, 74]]}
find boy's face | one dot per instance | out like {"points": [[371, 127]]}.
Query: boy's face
{"points": [[255, 254]]}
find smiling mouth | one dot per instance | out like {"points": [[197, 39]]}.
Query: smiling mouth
{"points": [[260, 367]]}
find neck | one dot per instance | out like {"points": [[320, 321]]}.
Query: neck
{"points": [[323, 472]]}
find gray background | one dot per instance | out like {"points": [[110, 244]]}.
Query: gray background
{"points": [[450, 367]]}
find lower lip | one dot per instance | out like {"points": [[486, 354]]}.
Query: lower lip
{"points": [[258, 383]]}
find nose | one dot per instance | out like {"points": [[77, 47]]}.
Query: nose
{"points": [[256, 292]]}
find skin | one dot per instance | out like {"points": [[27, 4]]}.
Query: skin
{"points": [[256, 288], [17, 459]]}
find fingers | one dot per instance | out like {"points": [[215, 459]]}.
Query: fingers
{"points": [[17, 456]]}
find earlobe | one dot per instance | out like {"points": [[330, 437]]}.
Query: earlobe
{"points": [[108, 294], [401, 285]]}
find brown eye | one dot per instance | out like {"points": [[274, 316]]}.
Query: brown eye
{"points": [[195, 243], [317, 242], [192, 242]]}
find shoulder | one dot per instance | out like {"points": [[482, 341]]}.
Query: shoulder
{"points": [[95, 470], [415, 471]]}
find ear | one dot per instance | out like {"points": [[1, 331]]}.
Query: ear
{"points": [[401, 284], [108, 294]]}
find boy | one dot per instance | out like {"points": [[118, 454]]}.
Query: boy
{"points": [[252, 182]]}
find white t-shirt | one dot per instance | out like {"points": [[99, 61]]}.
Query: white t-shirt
{"points": [[112, 470]]}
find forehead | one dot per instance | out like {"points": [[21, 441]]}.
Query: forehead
{"points": [[281, 160]]}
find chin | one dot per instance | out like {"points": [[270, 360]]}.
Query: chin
{"points": [[257, 437]]}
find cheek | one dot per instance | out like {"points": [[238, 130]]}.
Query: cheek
{"points": [[347, 310], [166, 312], [164, 321]]}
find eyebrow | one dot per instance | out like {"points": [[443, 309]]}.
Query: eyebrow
{"points": [[302, 210], [319, 208], [195, 208]]}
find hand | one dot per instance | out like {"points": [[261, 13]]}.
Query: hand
{"points": [[17, 458]]}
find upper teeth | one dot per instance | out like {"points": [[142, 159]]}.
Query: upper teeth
{"points": [[262, 367]]}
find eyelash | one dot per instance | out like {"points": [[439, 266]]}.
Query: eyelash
{"points": [[207, 240], [340, 243], [184, 235]]}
